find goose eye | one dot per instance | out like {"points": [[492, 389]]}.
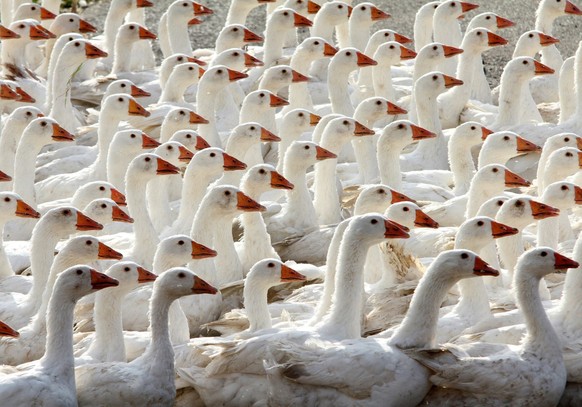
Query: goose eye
{"points": [[340, 6], [212, 154], [180, 58], [525, 62], [316, 43], [103, 206], [77, 44], [227, 193], [564, 188], [181, 275], [531, 36], [567, 139], [363, 8], [43, 124], [188, 136], [261, 171], [406, 209], [544, 254], [120, 99], [306, 147], [148, 159], [71, 20], [131, 27], [261, 95], [126, 269], [190, 68], [132, 136], [479, 33], [434, 77], [182, 112], [374, 221], [271, 265], [236, 54], [28, 113], [252, 128], [464, 256], [66, 212], [454, 5], [435, 48], [79, 272], [346, 122], [568, 154], [499, 203], [401, 126], [480, 223], [21, 26], [381, 191], [88, 243], [495, 170], [488, 18], [349, 54], [235, 29], [518, 203], [379, 102], [170, 148], [101, 188], [33, 8], [185, 4], [7, 199], [300, 115], [386, 34], [506, 138], [181, 242], [219, 71], [284, 71], [123, 85], [391, 46], [473, 128]]}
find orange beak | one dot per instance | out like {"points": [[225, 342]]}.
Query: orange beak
{"points": [[246, 204], [301, 21], [364, 60], [201, 144], [5, 330], [466, 7], [6, 34], [24, 97], [406, 53], [100, 281], [117, 215], [200, 251], [504, 22], [196, 61], [185, 154], [92, 52], [250, 36], [563, 262], [6, 93], [144, 3], [5, 177], [350, 10], [135, 109], [546, 40], [234, 76], [147, 142], [542, 211], [323, 154], [580, 159], [499, 230], [46, 14], [202, 287], [137, 92], [201, 10], [542, 69], [288, 274], [572, 9], [267, 136], [297, 77], [422, 220], [24, 210], [399, 197], [514, 180], [145, 276], [418, 133], [60, 134], [107, 253], [402, 38], [232, 164], [578, 194], [280, 182], [276, 101], [251, 61], [37, 33], [329, 50], [312, 7], [362, 130], [166, 168], [314, 119], [485, 132], [378, 14], [85, 223], [481, 268], [495, 40], [524, 146], [451, 51], [394, 230], [197, 119], [118, 197], [145, 34], [201, 72], [451, 82], [86, 27]]}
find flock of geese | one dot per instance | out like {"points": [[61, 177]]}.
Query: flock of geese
{"points": [[326, 217]]}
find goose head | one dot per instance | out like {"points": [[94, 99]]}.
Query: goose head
{"points": [[558, 8], [285, 19], [333, 13], [401, 133], [20, 94], [147, 166], [564, 162], [129, 275], [365, 14], [28, 30], [181, 249], [182, 118], [119, 106], [22, 116], [186, 74], [175, 153], [504, 145], [262, 100], [489, 21], [190, 139], [44, 130], [132, 142], [236, 36], [469, 134], [186, 10], [12, 206], [248, 134], [481, 39], [237, 59], [314, 48], [454, 265], [496, 177], [8, 91], [491, 206], [409, 214], [277, 77], [78, 51], [303, 154], [78, 281], [541, 261], [97, 190], [179, 282], [425, 13], [169, 63], [271, 272], [349, 59], [481, 230], [125, 86], [218, 77], [214, 161], [130, 33], [66, 220], [71, 23], [263, 177], [392, 53], [341, 130], [525, 68], [302, 6], [228, 200], [562, 195], [562, 140], [372, 229], [300, 120], [87, 249], [33, 11], [105, 211], [385, 35], [377, 198], [452, 10], [434, 83], [520, 211], [436, 53], [531, 42], [6, 330]]}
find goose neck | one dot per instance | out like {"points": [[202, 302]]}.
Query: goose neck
{"points": [[122, 56], [238, 11], [299, 198], [117, 164], [255, 301], [178, 34], [462, 165], [274, 39], [174, 90], [160, 352], [5, 266], [359, 33], [578, 79], [509, 104], [382, 81], [433, 152], [337, 83], [388, 157], [478, 194], [227, 261], [326, 196], [548, 232], [25, 158], [206, 98], [510, 248], [14, 52], [195, 184], [323, 27], [108, 123], [146, 239], [113, 21], [570, 304]]}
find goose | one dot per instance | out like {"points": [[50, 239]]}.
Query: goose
{"points": [[159, 356], [293, 124], [453, 370], [182, 77], [239, 10], [106, 211], [406, 386], [423, 25], [31, 343], [560, 164], [552, 144], [561, 195], [127, 35], [114, 109], [35, 12], [107, 344], [178, 119], [230, 36], [361, 20], [279, 23], [500, 146], [22, 384]]}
